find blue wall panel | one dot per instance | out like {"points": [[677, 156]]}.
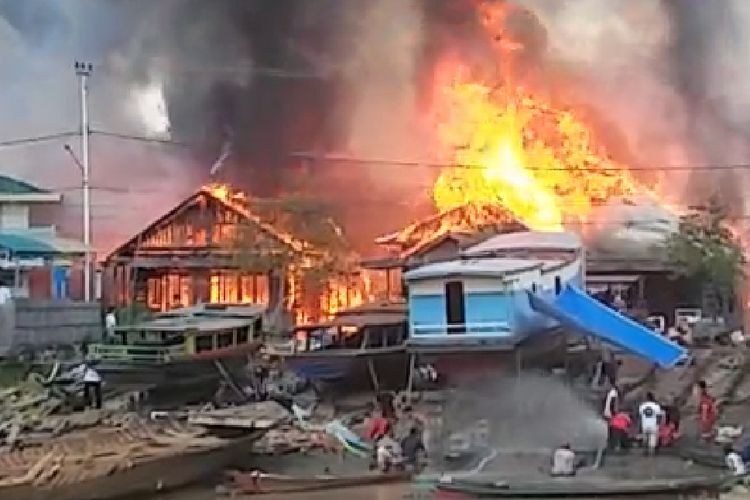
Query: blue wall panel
{"points": [[427, 310], [487, 307]]}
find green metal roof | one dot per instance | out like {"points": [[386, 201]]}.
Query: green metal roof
{"points": [[39, 244], [9, 185]]}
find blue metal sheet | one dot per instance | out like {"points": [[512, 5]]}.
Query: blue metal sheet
{"points": [[577, 310]]}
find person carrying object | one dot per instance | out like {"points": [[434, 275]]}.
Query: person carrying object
{"points": [[650, 413], [611, 403], [92, 384]]}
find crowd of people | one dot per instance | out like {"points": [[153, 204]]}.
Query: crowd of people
{"points": [[397, 440]]}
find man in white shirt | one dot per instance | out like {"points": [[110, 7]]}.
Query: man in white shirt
{"points": [[650, 412], [92, 385], [110, 323], [734, 462], [563, 461]]}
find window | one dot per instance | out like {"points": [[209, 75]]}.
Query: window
{"points": [[226, 339], [223, 288], [455, 309], [204, 343], [242, 336], [153, 293], [558, 285]]}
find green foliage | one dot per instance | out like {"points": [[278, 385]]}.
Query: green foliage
{"points": [[704, 249]]}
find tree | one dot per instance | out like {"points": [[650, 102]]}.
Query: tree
{"points": [[314, 248], [706, 250]]}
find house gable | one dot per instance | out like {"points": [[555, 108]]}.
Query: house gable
{"points": [[202, 222]]}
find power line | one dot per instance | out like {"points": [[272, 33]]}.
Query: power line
{"points": [[139, 138], [430, 164], [37, 139]]}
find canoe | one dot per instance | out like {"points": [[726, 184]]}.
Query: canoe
{"points": [[116, 463], [256, 483], [581, 488]]}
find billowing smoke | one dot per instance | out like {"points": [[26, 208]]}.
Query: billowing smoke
{"points": [[251, 74], [670, 75], [250, 81]]}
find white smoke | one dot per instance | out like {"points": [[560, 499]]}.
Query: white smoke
{"points": [[151, 107]]}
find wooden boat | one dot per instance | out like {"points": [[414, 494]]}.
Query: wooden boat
{"points": [[181, 345], [256, 483], [362, 345], [576, 487], [495, 306], [104, 464]]}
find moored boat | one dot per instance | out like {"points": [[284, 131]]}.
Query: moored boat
{"points": [[257, 483], [575, 487], [181, 346], [111, 463], [473, 313], [362, 345]]}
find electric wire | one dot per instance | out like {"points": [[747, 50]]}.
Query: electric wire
{"points": [[37, 139]]}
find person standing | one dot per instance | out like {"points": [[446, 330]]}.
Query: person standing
{"points": [[411, 447], [650, 412], [619, 431], [92, 385], [110, 323], [707, 411]]}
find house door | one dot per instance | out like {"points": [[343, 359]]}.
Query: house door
{"points": [[455, 310]]}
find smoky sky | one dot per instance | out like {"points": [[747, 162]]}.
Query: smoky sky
{"points": [[271, 77], [703, 33]]}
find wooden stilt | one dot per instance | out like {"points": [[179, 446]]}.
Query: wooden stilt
{"points": [[410, 382], [229, 380], [373, 375], [519, 363]]}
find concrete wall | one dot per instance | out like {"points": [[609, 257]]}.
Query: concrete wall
{"points": [[14, 216], [37, 324]]}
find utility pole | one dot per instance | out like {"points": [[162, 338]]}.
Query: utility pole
{"points": [[83, 71]]}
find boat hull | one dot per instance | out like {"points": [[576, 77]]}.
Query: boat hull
{"points": [[176, 372], [356, 367], [249, 483], [453, 363], [143, 479]]}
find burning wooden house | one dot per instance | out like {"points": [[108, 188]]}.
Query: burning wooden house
{"points": [[218, 246], [438, 238]]}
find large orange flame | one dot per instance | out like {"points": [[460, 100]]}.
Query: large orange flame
{"points": [[513, 149]]}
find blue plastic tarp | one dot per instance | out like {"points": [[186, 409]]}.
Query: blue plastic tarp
{"points": [[575, 309]]}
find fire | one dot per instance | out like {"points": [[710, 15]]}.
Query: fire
{"points": [[513, 149], [308, 305]]}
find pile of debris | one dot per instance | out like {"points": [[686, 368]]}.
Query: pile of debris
{"points": [[39, 408]]}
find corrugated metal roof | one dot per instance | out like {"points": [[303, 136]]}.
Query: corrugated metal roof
{"points": [[531, 240], [8, 185], [39, 243], [473, 267]]}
